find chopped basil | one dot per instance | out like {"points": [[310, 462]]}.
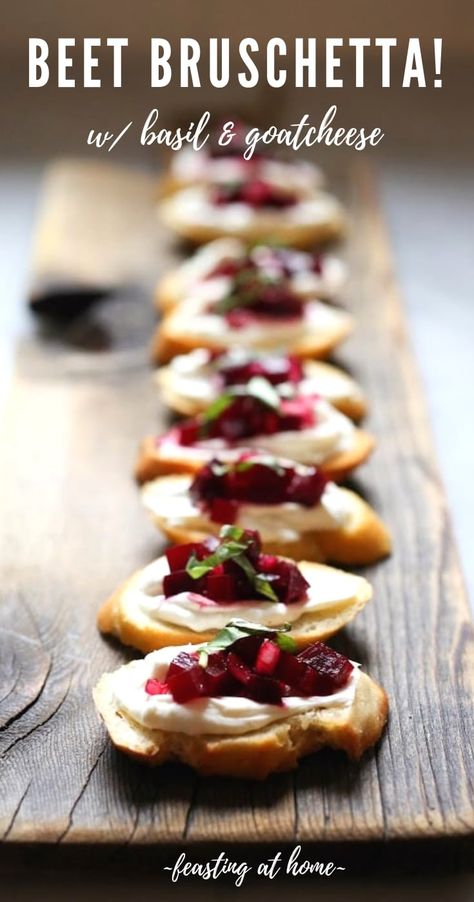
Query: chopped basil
{"points": [[260, 388], [226, 552], [257, 387], [239, 629], [232, 549], [217, 407], [262, 583], [248, 284], [219, 468]]}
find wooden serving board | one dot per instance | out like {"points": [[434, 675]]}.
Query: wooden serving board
{"points": [[73, 528]]}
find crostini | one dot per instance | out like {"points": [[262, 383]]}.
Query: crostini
{"points": [[251, 313], [254, 210], [314, 274], [305, 428], [297, 511], [191, 382], [191, 592], [246, 704]]}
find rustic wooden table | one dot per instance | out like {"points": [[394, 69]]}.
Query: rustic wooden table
{"points": [[436, 274]]}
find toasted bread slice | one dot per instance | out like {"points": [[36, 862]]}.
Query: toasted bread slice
{"points": [[329, 381], [363, 539], [193, 217], [277, 747], [175, 285], [152, 462], [175, 335], [124, 617]]}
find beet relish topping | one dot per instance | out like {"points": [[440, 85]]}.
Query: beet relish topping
{"points": [[250, 662], [244, 412], [281, 262], [255, 294], [231, 569], [254, 192], [276, 369], [220, 488]]}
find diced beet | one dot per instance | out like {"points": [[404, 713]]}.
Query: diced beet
{"points": [[188, 685], [297, 413], [276, 369], [183, 661], [156, 687], [254, 192], [187, 432], [265, 690], [267, 657], [289, 669], [256, 482], [247, 648], [254, 544], [256, 668], [288, 582], [239, 670], [220, 587], [178, 556], [227, 267], [332, 668], [223, 510], [178, 581], [317, 264]]}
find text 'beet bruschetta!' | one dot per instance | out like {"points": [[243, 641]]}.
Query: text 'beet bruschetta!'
{"points": [[246, 704], [305, 428], [195, 588], [298, 512]]}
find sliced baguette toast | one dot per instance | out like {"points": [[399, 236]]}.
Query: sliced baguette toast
{"points": [[255, 755], [327, 223], [363, 540], [122, 616], [349, 399], [151, 461], [174, 335]]}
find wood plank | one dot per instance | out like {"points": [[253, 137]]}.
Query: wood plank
{"points": [[73, 528]]}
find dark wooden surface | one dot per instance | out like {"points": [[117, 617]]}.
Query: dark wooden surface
{"points": [[73, 528]]}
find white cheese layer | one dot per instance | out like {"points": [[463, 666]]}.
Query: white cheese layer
{"points": [[328, 589], [225, 715], [190, 166], [194, 377], [324, 284], [332, 433], [193, 207], [193, 316], [170, 499]]}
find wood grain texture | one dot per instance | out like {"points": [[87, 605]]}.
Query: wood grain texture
{"points": [[73, 529]]}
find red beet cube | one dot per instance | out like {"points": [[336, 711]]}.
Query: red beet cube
{"points": [[288, 582], [333, 669], [188, 685], [223, 510], [178, 581], [178, 556], [220, 587], [187, 432], [156, 687], [290, 670], [267, 657], [239, 670]]}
